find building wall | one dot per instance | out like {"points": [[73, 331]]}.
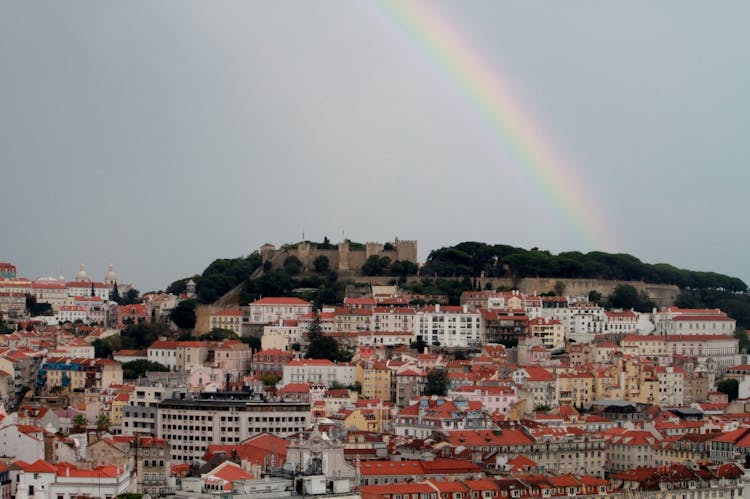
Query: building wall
{"points": [[191, 426], [343, 257]]}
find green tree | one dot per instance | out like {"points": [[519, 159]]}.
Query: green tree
{"points": [[218, 334], [559, 288], [292, 265], [80, 423], [140, 368], [542, 408], [115, 294], [741, 335], [4, 329], [103, 349], [419, 345], [730, 386], [252, 341], [375, 265], [270, 379], [437, 382], [131, 297], [35, 309], [624, 296], [322, 346], [627, 297], [321, 264], [595, 296], [183, 315], [403, 268], [102, 423]]}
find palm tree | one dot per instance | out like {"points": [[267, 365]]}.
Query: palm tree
{"points": [[79, 423], [102, 423]]}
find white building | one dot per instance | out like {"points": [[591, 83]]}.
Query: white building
{"points": [[192, 424], [64, 481], [449, 326], [393, 319], [72, 313], [620, 322], [675, 320], [273, 309], [319, 371]]}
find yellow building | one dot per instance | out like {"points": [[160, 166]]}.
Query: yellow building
{"points": [[550, 331], [576, 388], [607, 382], [68, 374], [376, 382], [116, 408]]}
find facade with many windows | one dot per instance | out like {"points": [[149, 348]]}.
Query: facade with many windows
{"points": [[192, 424]]}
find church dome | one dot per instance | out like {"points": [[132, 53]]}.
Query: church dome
{"points": [[110, 277], [82, 275]]}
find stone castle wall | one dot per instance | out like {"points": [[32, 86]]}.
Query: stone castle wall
{"points": [[663, 294], [342, 258]]}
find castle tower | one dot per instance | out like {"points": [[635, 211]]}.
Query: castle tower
{"points": [[372, 249], [406, 250], [344, 255]]}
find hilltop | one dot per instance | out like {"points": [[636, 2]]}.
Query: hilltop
{"points": [[448, 271]]}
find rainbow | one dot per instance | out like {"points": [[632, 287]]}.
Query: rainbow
{"points": [[521, 140]]}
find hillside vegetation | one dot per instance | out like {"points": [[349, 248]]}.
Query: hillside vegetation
{"points": [[452, 270], [470, 259]]}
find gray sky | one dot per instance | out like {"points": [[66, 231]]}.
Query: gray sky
{"points": [[159, 136]]}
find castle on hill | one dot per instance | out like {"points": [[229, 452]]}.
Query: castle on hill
{"points": [[346, 256]]}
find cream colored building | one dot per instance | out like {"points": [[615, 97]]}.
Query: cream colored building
{"points": [[191, 425], [550, 331], [393, 319], [376, 381], [273, 309], [229, 319], [575, 388], [79, 374]]}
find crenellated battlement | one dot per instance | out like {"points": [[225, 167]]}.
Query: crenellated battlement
{"points": [[343, 256]]}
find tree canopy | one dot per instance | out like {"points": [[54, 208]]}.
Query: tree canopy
{"points": [[729, 386], [218, 334], [183, 315], [627, 297], [221, 276], [138, 368], [437, 382], [472, 258], [292, 265], [322, 346]]}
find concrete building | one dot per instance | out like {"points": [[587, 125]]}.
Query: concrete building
{"points": [[191, 424], [271, 310], [449, 326], [321, 371], [550, 331], [229, 319]]}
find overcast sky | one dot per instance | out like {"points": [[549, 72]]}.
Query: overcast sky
{"points": [[159, 136]]}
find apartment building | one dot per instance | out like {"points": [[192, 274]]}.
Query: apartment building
{"points": [[191, 424]]}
